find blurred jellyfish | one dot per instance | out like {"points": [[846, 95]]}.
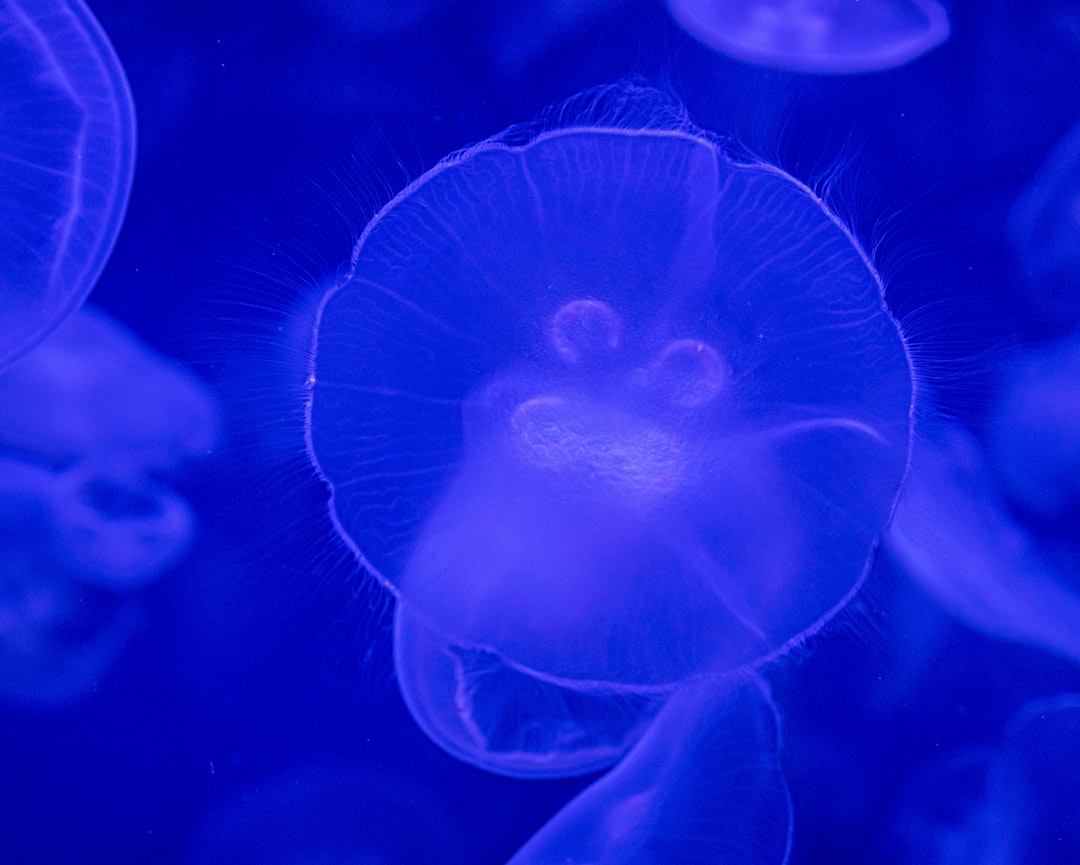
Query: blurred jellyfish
{"points": [[608, 411], [1014, 804], [703, 784], [92, 425], [1044, 232], [1034, 432], [67, 153], [953, 534], [827, 36]]}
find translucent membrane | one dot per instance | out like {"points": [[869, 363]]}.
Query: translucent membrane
{"points": [[609, 405], [837, 36], [92, 424], [703, 785], [1034, 432], [1043, 228], [95, 390], [67, 152], [953, 535]]}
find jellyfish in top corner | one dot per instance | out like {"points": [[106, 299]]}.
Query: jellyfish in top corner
{"points": [[609, 411], [823, 36], [67, 154], [93, 428], [1013, 803]]}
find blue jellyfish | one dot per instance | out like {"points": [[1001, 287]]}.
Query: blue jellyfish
{"points": [[613, 414], [825, 36], [953, 534], [1043, 227], [1034, 431], [1013, 803], [604, 401], [67, 153], [703, 784], [92, 427]]}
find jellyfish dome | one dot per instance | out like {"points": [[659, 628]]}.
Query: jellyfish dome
{"points": [[826, 36], [67, 153], [608, 403]]}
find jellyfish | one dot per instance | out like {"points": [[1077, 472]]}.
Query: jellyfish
{"points": [[703, 784], [953, 534], [1043, 228], [93, 427], [826, 36], [1013, 803], [1034, 431], [67, 153], [610, 412]]}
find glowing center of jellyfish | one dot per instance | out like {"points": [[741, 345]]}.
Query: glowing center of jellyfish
{"points": [[593, 444]]}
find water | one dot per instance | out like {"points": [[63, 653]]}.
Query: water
{"points": [[194, 665]]}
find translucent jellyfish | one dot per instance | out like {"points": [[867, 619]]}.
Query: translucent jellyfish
{"points": [[613, 414], [609, 404], [703, 784], [829, 36], [1014, 804], [953, 534], [1043, 227], [95, 391], [67, 152], [1034, 432], [92, 426]]}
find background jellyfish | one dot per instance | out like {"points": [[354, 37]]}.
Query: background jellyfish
{"points": [[93, 425], [1033, 437], [1043, 228], [1013, 804], [953, 534], [703, 783], [67, 153], [816, 35]]}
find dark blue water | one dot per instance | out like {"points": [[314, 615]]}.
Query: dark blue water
{"points": [[717, 430]]}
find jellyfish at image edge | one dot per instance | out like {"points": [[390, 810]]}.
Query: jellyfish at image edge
{"points": [[93, 427], [1043, 228], [955, 537], [607, 410], [1014, 803], [67, 154], [825, 36], [1033, 439]]}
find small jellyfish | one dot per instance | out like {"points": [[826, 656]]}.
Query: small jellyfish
{"points": [[702, 785], [1034, 431], [826, 36], [1015, 803], [1043, 229], [92, 426], [953, 534], [67, 153]]}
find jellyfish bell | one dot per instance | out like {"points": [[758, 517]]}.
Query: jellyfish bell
{"points": [[67, 154], [823, 36], [609, 404]]}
